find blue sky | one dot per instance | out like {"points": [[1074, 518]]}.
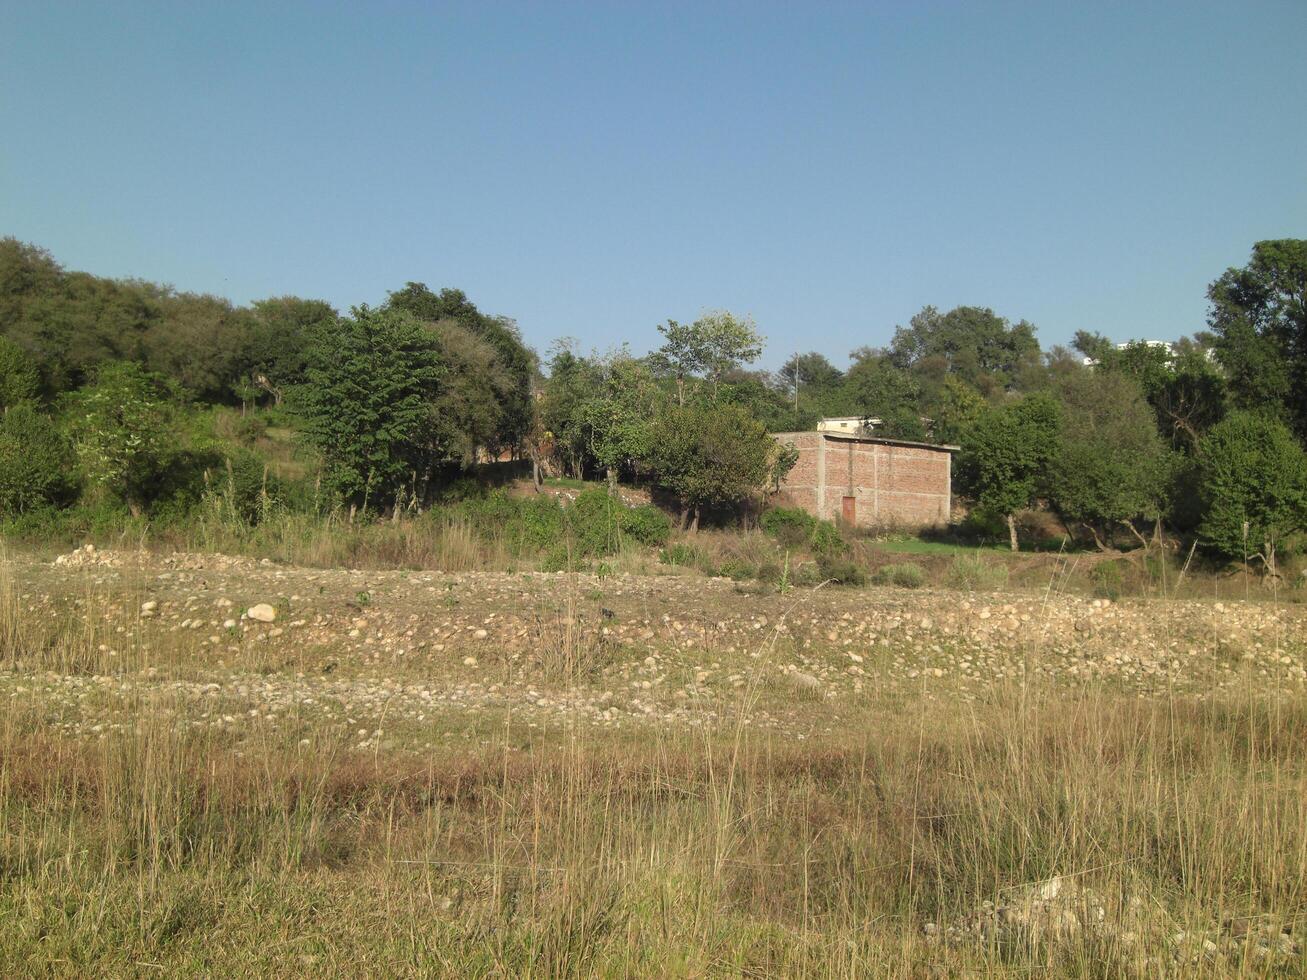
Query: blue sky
{"points": [[593, 169]]}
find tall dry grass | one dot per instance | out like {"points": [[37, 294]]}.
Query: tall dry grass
{"points": [[658, 852]]}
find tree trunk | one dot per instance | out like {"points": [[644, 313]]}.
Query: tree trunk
{"points": [[1012, 531], [694, 524], [535, 474], [612, 482], [685, 516]]}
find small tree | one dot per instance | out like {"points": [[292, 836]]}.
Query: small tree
{"points": [[1253, 485], [711, 455], [616, 417], [122, 428], [35, 461], [1005, 461], [1111, 465], [368, 404], [713, 345]]}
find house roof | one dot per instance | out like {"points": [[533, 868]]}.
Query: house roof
{"points": [[850, 437]]}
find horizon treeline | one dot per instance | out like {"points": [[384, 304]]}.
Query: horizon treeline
{"points": [[384, 402]]}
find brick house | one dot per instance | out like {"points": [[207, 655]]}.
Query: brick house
{"points": [[867, 480]]}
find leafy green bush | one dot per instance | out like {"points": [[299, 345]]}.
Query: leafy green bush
{"points": [[648, 525], [905, 576], [1253, 484], [35, 461], [795, 528]]}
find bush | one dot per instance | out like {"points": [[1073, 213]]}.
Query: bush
{"points": [[1253, 484], [905, 576], [35, 460], [841, 571], [737, 569], [648, 525], [796, 528], [680, 555]]}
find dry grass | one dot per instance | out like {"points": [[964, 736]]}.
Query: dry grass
{"points": [[668, 853]]}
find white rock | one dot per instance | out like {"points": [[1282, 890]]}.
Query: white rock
{"points": [[261, 613]]}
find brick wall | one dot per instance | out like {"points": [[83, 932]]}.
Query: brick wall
{"points": [[890, 483]]}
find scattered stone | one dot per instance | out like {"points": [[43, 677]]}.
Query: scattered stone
{"points": [[261, 613]]}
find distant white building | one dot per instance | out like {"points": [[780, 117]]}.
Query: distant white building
{"points": [[851, 425], [1156, 344]]}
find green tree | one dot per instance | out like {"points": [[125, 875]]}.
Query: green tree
{"points": [[1259, 318], [1111, 465], [711, 455], [1005, 462], [713, 345], [616, 418], [468, 412], [368, 403], [1253, 486], [572, 381], [879, 389], [122, 427], [35, 461], [279, 336], [814, 387], [19, 379], [971, 342], [517, 361]]}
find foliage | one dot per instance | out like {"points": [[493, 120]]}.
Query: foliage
{"points": [[1259, 318], [795, 527], [840, 571], [905, 576], [1005, 465], [713, 345], [615, 420], [646, 525], [710, 454], [35, 461], [1253, 484], [19, 379], [1108, 579], [516, 364], [1110, 465], [279, 329], [367, 404], [122, 428], [969, 342]]}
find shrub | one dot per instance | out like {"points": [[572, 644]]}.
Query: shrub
{"points": [[905, 576], [794, 527], [680, 555], [648, 525], [840, 571], [1253, 485], [35, 460], [736, 568]]}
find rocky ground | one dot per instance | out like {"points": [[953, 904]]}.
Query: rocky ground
{"points": [[407, 659]]}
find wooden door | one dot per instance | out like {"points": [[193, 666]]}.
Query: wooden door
{"points": [[850, 513]]}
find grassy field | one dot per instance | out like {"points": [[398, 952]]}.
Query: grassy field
{"points": [[516, 774]]}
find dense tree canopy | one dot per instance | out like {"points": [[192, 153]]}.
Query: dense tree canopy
{"points": [[1253, 485], [133, 376], [1259, 318]]}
